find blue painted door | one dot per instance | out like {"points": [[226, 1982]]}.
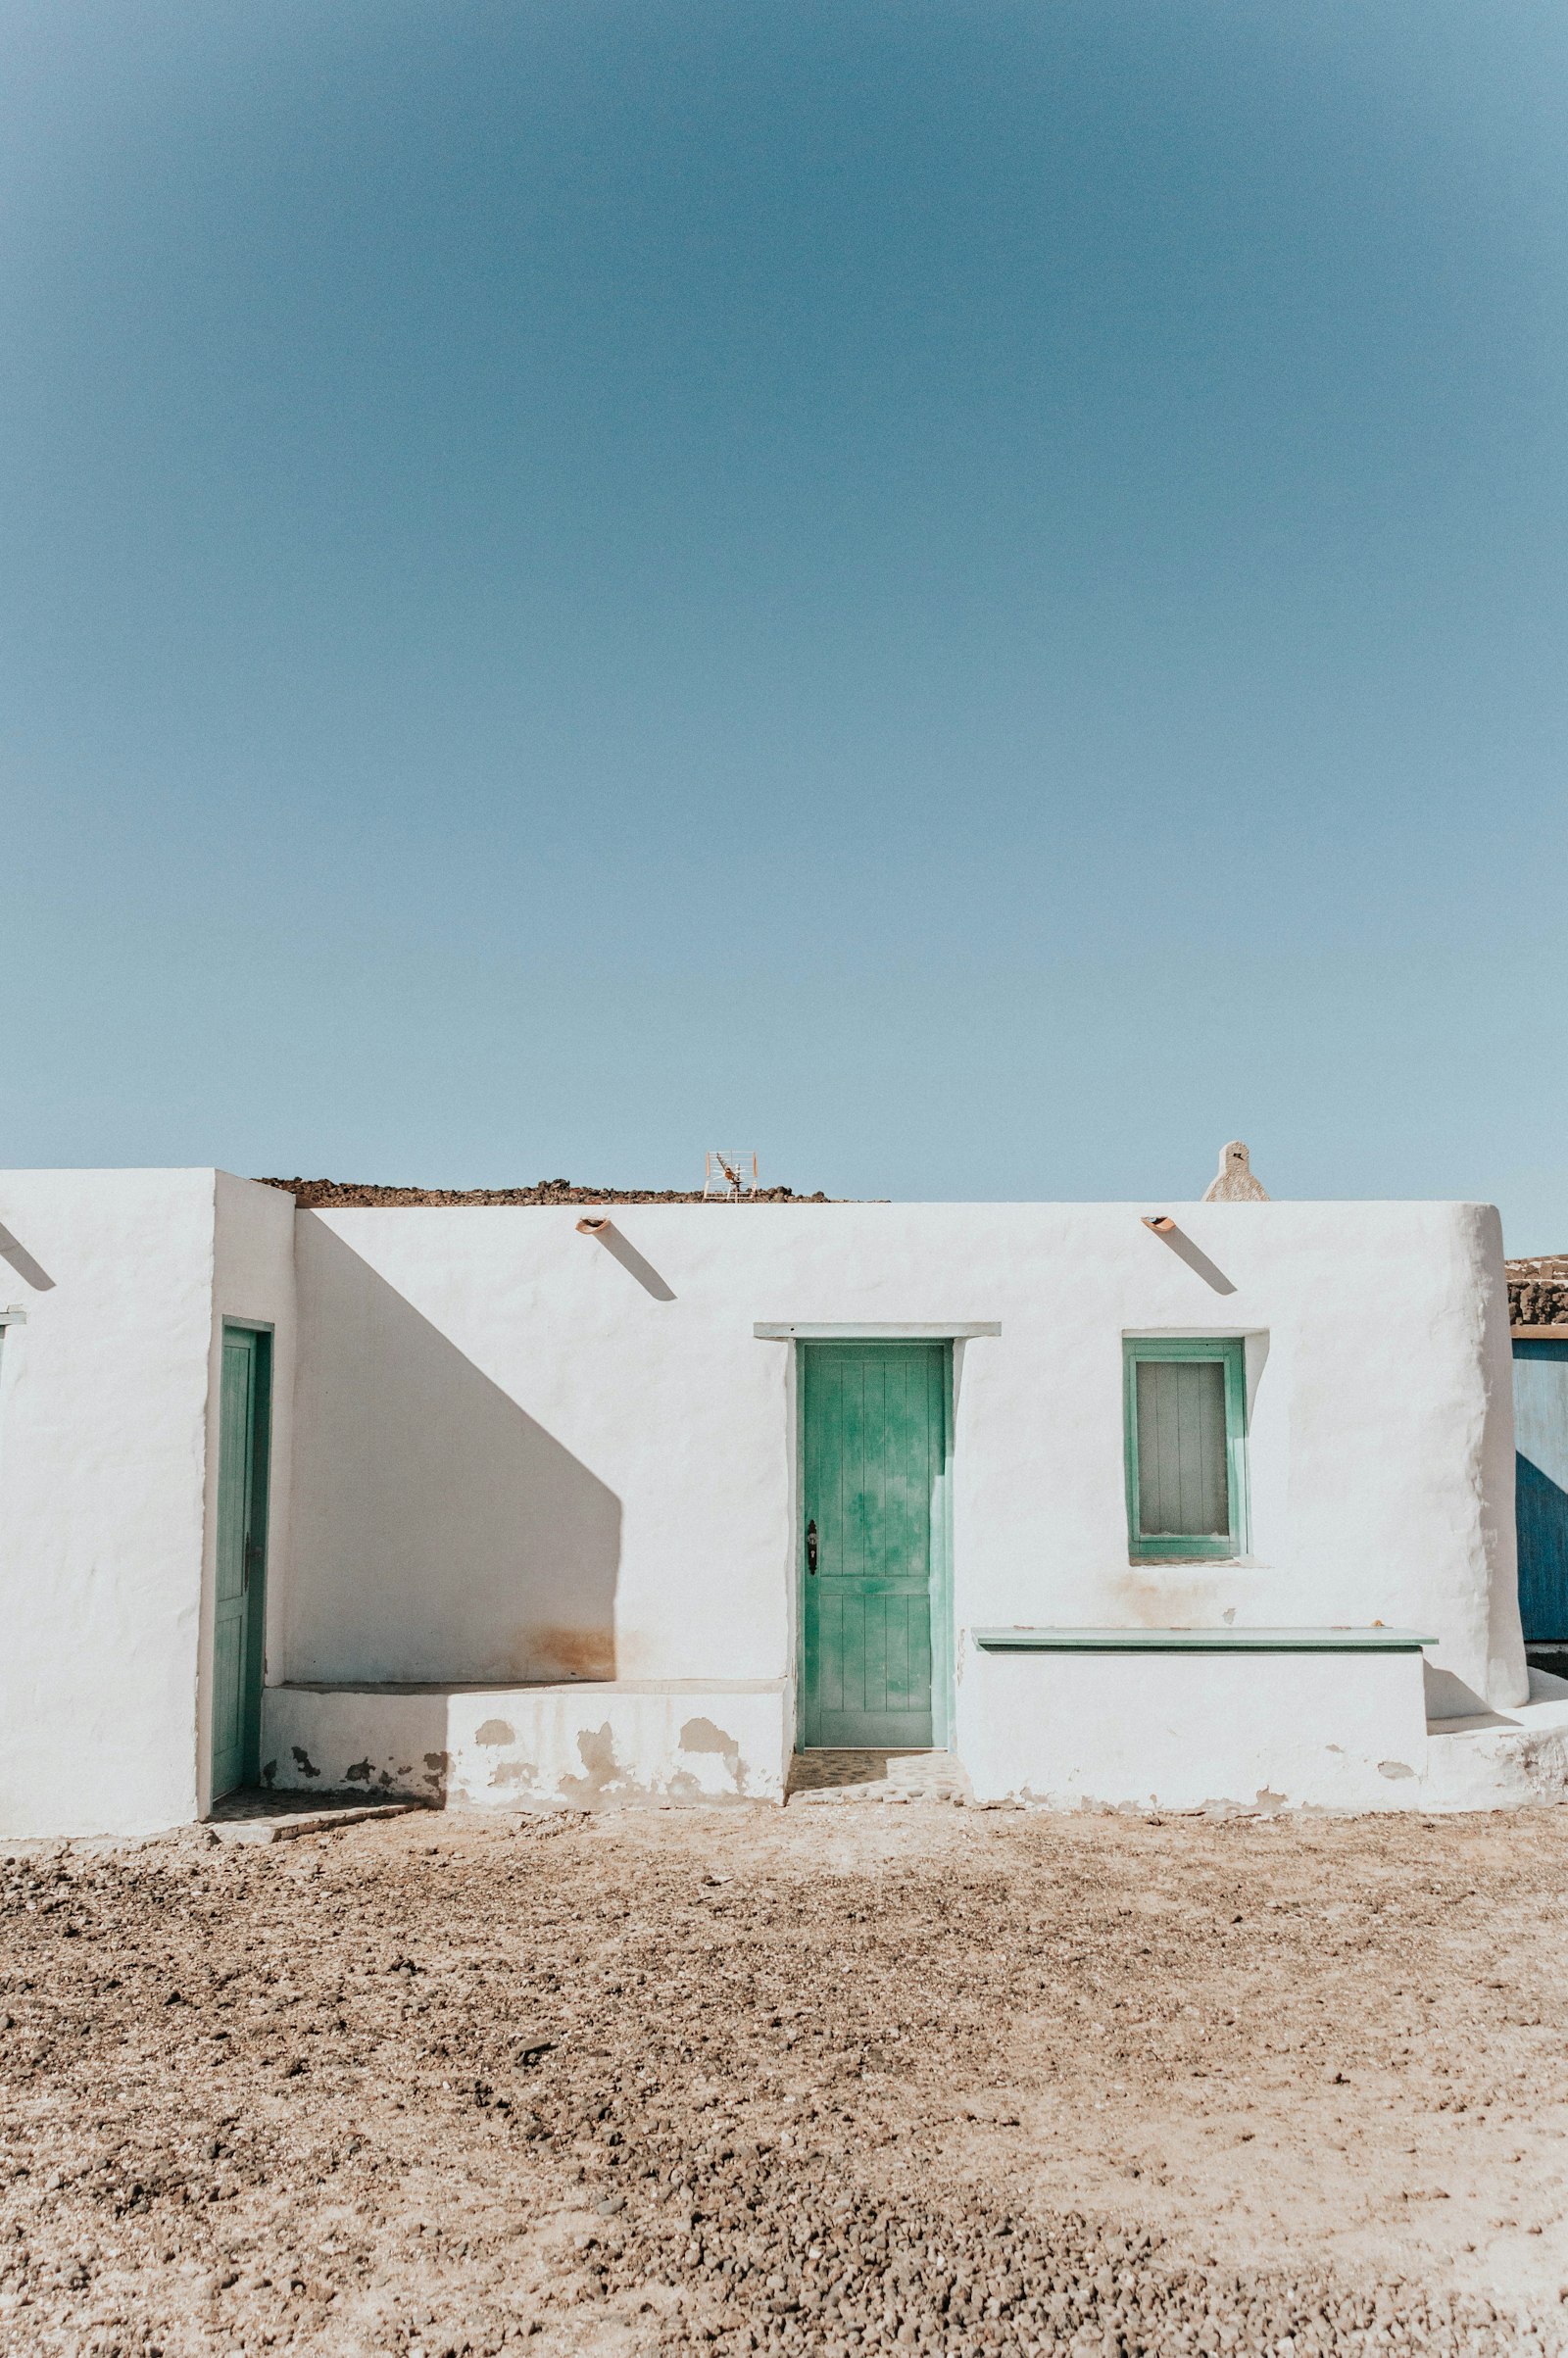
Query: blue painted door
{"points": [[1541, 1485], [874, 1450]]}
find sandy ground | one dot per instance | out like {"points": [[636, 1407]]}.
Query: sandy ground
{"points": [[813, 2080]]}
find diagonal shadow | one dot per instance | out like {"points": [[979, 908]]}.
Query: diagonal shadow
{"points": [[440, 1532], [1449, 1699], [1195, 1256], [625, 1252], [16, 1253]]}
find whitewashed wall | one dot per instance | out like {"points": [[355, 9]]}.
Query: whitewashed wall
{"points": [[523, 1457], [103, 1442], [108, 1480], [523, 1453]]}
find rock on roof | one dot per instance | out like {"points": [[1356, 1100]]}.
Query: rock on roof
{"points": [[1538, 1290], [320, 1195]]}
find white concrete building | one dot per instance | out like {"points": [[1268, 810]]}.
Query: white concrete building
{"points": [[471, 1504]]}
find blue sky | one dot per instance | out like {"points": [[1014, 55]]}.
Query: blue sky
{"points": [[970, 596]]}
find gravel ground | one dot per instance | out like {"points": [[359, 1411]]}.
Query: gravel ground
{"points": [[811, 2081]]}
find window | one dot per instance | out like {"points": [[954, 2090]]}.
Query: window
{"points": [[1185, 1439]]}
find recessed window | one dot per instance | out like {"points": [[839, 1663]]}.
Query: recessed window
{"points": [[1185, 1439]]}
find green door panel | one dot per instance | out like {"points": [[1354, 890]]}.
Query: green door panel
{"points": [[238, 1588], [873, 1462]]}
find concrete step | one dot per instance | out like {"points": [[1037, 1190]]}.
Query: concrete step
{"points": [[268, 1817]]}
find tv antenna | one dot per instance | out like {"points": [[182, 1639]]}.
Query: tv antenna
{"points": [[729, 1174]]}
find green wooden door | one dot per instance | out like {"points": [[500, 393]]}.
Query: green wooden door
{"points": [[240, 1619], [873, 1458]]}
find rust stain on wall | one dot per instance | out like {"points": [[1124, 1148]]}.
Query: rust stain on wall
{"points": [[571, 1653], [1162, 1601]]}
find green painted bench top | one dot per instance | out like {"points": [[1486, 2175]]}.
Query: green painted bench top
{"points": [[1202, 1640]]}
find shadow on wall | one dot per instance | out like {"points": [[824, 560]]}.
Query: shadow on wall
{"points": [[621, 1248], [441, 1533], [1449, 1698], [1176, 1241], [14, 1251]]}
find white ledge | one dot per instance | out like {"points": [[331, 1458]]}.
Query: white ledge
{"points": [[1202, 1640], [527, 1687]]}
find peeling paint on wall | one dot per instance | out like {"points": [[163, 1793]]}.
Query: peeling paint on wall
{"points": [[596, 1748], [701, 1736], [528, 1748]]}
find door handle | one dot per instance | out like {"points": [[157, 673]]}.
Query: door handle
{"points": [[811, 1546]]}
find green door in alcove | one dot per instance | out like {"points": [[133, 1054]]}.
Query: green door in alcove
{"points": [[239, 1620], [873, 1460]]}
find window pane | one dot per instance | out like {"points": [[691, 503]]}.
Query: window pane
{"points": [[1183, 1485]]}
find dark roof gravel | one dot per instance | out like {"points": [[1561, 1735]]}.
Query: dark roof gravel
{"points": [[317, 1195], [1538, 1290]]}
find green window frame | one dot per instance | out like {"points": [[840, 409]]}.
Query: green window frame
{"points": [[1185, 1474]]}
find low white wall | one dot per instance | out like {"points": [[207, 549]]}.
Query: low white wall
{"points": [[574, 1746], [1178, 1731], [103, 1460]]}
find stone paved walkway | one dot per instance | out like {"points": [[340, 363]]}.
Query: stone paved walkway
{"points": [[840, 1777]]}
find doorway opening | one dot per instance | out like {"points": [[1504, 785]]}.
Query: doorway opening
{"points": [[875, 1633], [239, 1620]]}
